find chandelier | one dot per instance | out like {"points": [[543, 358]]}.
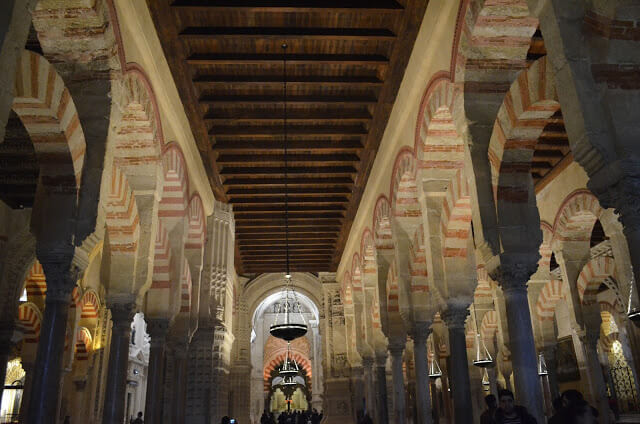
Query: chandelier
{"points": [[290, 366], [633, 312], [435, 371], [286, 326], [482, 357]]}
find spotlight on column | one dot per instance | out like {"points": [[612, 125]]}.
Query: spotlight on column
{"points": [[542, 365], [483, 358]]}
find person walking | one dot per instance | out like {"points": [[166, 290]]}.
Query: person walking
{"points": [[138, 420], [510, 413]]}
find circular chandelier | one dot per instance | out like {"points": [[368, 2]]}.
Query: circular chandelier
{"points": [[285, 325], [482, 358], [633, 312], [290, 366]]}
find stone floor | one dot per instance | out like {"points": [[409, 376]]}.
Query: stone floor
{"points": [[635, 419]]}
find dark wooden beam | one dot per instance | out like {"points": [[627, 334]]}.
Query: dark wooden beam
{"points": [[289, 6], [298, 191], [293, 200], [293, 145], [293, 159], [254, 131], [302, 100], [267, 81], [263, 170], [292, 182], [280, 33], [292, 59]]}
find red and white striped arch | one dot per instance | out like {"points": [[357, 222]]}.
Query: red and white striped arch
{"points": [[356, 274], [576, 217], [83, 344], [393, 290], [175, 187], [36, 283], [456, 218], [29, 321], [90, 305], [347, 289], [382, 233], [76, 297], [592, 276], [404, 191], [185, 288], [489, 325], [49, 115], [525, 111], [551, 293], [494, 37], [162, 260], [122, 219], [484, 287], [197, 224], [368, 254]]}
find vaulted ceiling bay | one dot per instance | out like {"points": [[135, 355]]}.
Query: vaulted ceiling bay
{"points": [[345, 62]]}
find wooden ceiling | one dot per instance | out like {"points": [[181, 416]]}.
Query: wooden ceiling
{"points": [[345, 62]]}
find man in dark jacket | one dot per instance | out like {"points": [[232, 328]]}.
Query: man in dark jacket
{"points": [[510, 413], [492, 406]]}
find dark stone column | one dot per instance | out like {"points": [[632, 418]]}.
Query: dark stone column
{"points": [[157, 329], [180, 385], [513, 276], [121, 316], [381, 389], [396, 349], [455, 317], [419, 335], [6, 331], [45, 392]]}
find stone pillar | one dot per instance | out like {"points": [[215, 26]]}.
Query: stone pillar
{"points": [[455, 317], [550, 359], [157, 329], [45, 392], [419, 335], [382, 413], [26, 392], [199, 377], [513, 279], [396, 349], [114, 392], [598, 385], [370, 404]]}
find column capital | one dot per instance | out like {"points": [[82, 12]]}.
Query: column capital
{"points": [[514, 272], [157, 328], [122, 314], [455, 317], [420, 331], [624, 197], [396, 347], [367, 361], [381, 359], [61, 275]]}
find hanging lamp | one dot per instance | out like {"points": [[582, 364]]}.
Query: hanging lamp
{"points": [[284, 326], [290, 366], [542, 365], [633, 312], [485, 380], [435, 371], [482, 357]]}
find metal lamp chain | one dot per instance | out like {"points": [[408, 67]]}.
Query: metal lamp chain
{"points": [[286, 163]]}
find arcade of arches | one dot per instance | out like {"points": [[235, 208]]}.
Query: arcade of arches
{"points": [[461, 173]]}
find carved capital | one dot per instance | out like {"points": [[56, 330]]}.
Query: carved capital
{"points": [[61, 275], [396, 348], [122, 315], [513, 273], [624, 197], [455, 317], [158, 329], [420, 332]]}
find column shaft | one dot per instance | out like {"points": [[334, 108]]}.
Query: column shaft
{"points": [[157, 329], [399, 402], [6, 330], [423, 398], [370, 403], [598, 384], [114, 393], [45, 391], [381, 391], [523, 350], [180, 386], [460, 383]]}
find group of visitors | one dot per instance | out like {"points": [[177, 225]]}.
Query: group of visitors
{"points": [[292, 417], [569, 408]]}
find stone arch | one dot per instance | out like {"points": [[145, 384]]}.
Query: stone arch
{"points": [[393, 298], [548, 298], [592, 276], [29, 321], [489, 325], [368, 255], [173, 203], [576, 217], [545, 250], [527, 106], [403, 191], [82, 344], [36, 284], [356, 273], [456, 219], [382, 233], [275, 351], [76, 297], [197, 224], [48, 113], [90, 305], [347, 290]]}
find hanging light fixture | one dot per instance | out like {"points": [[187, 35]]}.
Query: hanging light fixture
{"points": [[290, 366], [633, 313], [482, 358], [485, 380], [434, 368], [284, 326], [542, 365]]}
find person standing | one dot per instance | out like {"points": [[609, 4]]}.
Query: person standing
{"points": [[488, 416], [138, 420], [510, 413]]}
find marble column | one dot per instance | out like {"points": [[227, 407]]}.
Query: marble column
{"points": [[370, 404], [382, 413], [114, 392], [455, 318], [45, 391], [419, 335], [513, 278], [598, 385], [396, 349], [157, 329]]}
